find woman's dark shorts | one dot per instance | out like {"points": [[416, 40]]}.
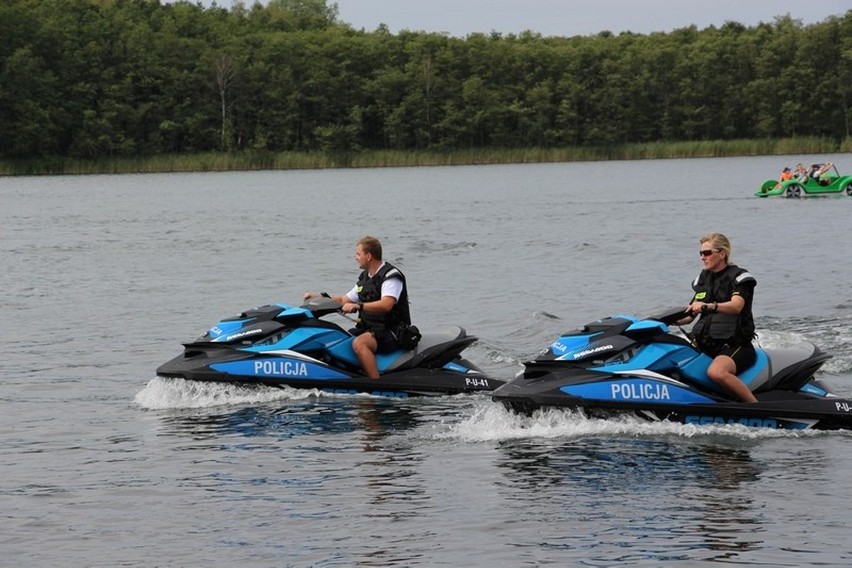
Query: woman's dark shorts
{"points": [[744, 356]]}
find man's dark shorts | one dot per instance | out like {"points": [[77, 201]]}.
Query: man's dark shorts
{"points": [[385, 340]]}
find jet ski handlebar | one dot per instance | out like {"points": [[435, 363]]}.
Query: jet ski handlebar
{"points": [[671, 315], [320, 306]]}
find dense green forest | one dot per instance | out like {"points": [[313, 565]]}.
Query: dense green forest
{"points": [[109, 79]]}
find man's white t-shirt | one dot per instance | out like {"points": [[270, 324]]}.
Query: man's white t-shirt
{"points": [[390, 287]]}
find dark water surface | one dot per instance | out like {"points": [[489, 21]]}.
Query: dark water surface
{"points": [[103, 464]]}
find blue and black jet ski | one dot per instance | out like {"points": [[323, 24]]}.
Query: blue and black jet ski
{"points": [[625, 364], [284, 345]]}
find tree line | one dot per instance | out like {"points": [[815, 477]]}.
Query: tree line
{"points": [[97, 79]]}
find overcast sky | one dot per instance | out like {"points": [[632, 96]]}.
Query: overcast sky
{"points": [[573, 17]]}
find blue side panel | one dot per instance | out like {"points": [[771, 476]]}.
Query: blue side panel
{"points": [[759, 365], [674, 357], [569, 343], [696, 371], [635, 390], [304, 339], [279, 367], [343, 352]]}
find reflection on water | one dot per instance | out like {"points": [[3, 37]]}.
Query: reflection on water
{"points": [[318, 461], [375, 417], [681, 499], [391, 473]]}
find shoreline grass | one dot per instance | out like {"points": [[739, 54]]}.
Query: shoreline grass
{"points": [[253, 160]]}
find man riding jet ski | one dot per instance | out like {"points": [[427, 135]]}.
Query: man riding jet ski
{"points": [[281, 345], [628, 364]]}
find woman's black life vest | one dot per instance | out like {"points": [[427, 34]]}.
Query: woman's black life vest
{"points": [[370, 290], [713, 330]]}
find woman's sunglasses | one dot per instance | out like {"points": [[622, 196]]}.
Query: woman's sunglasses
{"points": [[708, 252]]}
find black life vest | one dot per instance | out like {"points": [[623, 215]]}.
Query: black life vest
{"points": [[712, 330], [370, 290]]}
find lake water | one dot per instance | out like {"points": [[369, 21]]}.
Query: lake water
{"points": [[103, 464]]}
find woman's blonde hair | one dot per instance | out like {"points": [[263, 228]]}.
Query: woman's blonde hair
{"points": [[719, 242]]}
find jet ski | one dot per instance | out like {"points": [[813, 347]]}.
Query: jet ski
{"points": [[628, 364], [284, 345]]}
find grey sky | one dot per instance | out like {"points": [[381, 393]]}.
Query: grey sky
{"points": [[574, 17]]}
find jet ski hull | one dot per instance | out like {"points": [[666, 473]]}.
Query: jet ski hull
{"points": [[282, 345], [624, 364], [797, 411], [280, 372]]}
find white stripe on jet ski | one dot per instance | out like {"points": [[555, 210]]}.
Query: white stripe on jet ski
{"points": [[293, 354], [644, 373]]}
